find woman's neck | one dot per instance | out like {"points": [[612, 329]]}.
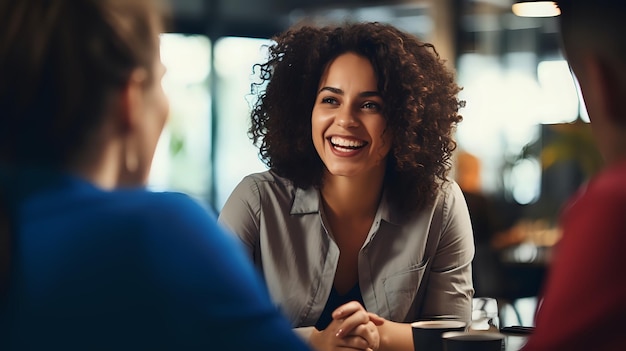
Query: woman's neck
{"points": [[102, 171], [102, 163], [350, 197]]}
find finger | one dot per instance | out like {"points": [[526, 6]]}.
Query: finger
{"points": [[369, 332], [347, 309], [353, 342], [327, 340], [376, 319], [352, 321]]}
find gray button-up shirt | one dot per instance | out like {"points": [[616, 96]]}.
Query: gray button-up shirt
{"points": [[410, 267]]}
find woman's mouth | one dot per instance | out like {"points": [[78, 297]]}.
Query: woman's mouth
{"points": [[346, 145]]}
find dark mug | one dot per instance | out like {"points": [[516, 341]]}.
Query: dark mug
{"points": [[473, 341], [427, 334]]}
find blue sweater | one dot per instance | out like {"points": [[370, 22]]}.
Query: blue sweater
{"points": [[129, 269]]}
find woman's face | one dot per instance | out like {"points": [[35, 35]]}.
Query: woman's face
{"points": [[348, 127]]}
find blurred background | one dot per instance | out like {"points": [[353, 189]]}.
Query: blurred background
{"points": [[524, 145]]}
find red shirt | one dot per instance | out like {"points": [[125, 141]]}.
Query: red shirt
{"points": [[584, 300]]}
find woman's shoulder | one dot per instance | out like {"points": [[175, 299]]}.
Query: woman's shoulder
{"points": [[450, 196], [268, 176], [448, 193], [447, 202], [267, 182], [260, 192], [450, 189]]}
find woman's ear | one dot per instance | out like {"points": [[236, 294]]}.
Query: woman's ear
{"points": [[132, 100]]}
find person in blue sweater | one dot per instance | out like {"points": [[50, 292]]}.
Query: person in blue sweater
{"points": [[89, 258]]}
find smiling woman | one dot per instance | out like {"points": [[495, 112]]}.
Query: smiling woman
{"points": [[347, 121], [356, 227]]}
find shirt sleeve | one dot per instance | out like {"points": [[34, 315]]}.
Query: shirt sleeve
{"points": [[241, 212], [450, 289]]}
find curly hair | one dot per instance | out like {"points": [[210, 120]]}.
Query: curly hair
{"points": [[420, 95]]}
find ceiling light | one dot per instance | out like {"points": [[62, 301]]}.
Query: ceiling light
{"points": [[526, 8]]}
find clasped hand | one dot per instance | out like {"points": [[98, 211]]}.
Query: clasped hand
{"points": [[352, 328]]}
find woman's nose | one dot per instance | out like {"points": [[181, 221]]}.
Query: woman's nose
{"points": [[346, 118]]}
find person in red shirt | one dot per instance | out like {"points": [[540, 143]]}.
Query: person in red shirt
{"points": [[583, 304]]}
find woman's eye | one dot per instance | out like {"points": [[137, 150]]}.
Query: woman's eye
{"points": [[371, 106], [329, 100]]}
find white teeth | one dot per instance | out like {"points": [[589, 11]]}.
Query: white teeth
{"points": [[341, 142]]}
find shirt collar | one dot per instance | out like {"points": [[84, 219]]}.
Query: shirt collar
{"points": [[387, 210], [308, 201]]}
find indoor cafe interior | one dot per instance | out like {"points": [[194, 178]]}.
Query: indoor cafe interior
{"points": [[524, 144]]}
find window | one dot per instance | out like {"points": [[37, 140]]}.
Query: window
{"points": [[235, 155], [182, 159]]}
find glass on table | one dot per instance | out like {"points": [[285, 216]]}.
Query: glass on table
{"points": [[485, 314]]}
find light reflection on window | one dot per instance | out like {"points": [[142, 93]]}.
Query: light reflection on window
{"points": [[182, 158], [525, 181], [559, 96], [235, 155], [508, 98]]}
